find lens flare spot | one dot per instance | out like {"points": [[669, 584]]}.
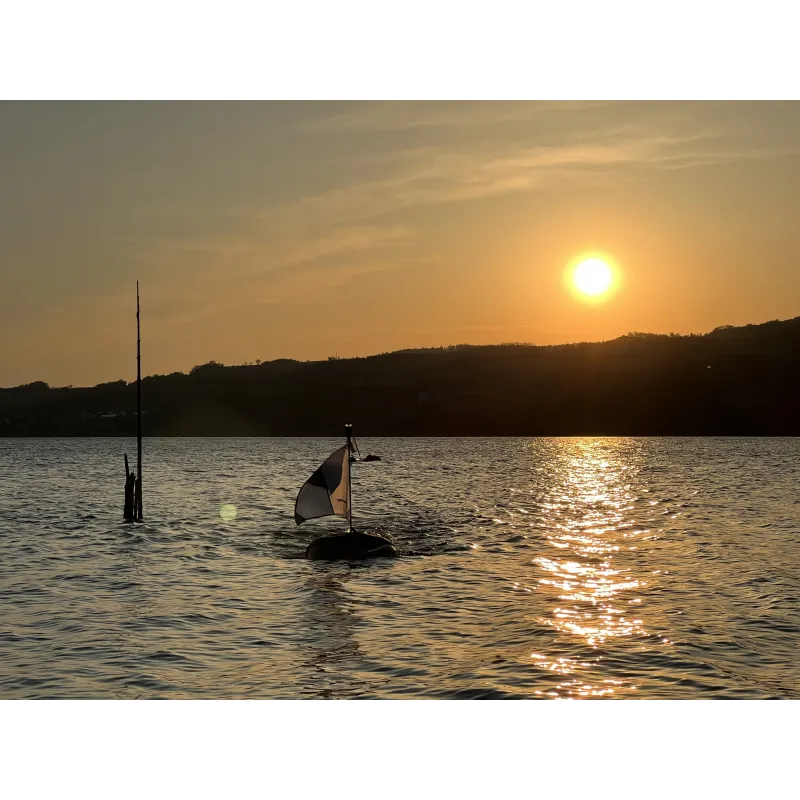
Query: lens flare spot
{"points": [[228, 512]]}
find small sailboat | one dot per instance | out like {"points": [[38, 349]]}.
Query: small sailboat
{"points": [[328, 492]]}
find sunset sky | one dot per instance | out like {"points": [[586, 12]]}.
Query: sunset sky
{"points": [[299, 230]]}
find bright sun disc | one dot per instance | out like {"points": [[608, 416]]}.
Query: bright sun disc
{"points": [[592, 277]]}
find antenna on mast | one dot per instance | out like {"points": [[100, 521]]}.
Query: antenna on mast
{"points": [[138, 514], [132, 510]]}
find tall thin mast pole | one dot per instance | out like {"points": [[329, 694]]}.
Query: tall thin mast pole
{"points": [[348, 431], [138, 410]]}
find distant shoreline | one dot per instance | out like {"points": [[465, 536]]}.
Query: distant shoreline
{"points": [[731, 382]]}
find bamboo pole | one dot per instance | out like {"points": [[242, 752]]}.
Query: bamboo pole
{"points": [[138, 411]]}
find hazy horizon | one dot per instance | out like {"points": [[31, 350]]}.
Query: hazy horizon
{"points": [[148, 374], [266, 230]]}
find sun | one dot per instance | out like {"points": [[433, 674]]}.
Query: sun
{"points": [[592, 277]]}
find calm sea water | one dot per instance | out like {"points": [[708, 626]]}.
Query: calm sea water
{"points": [[531, 568]]}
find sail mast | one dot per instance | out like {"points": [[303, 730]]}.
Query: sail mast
{"points": [[138, 411], [348, 429]]}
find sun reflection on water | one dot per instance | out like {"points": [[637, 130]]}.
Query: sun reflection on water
{"points": [[588, 506]]}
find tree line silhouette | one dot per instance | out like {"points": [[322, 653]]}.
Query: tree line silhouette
{"points": [[732, 381]]}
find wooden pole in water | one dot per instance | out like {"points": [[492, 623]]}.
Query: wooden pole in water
{"points": [[128, 510], [138, 412]]}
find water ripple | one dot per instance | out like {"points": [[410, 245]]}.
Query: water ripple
{"points": [[532, 568]]}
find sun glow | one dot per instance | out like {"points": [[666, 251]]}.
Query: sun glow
{"points": [[592, 278]]}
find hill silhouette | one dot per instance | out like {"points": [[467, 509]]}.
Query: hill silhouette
{"points": [[732, 381]]}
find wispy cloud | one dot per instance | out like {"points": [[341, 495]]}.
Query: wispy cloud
{"points": [[361, 224], [167, 251], [411, 115], [432, 175], [271, 267], [274, 249]]}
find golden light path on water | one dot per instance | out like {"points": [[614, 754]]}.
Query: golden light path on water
{"points": [[587, 507]]}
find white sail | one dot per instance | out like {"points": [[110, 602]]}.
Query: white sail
{"points": [[325, 493]]}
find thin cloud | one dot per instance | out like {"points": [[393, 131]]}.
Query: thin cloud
{"points": [[330, 238], [410, 115], [322, 228], [344, 220], [274, 269], [433, 176]]}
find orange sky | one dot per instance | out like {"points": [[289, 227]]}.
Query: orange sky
{"points": [[268, 230]]}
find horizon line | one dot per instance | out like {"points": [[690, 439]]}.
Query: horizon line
{"points": [[259, 363]]}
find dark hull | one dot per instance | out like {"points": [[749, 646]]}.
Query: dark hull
{"points": [[349, 547]]}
